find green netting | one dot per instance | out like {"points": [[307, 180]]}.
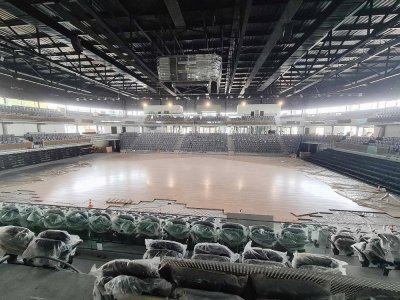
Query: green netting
{"points": [[9, 215], [233, 237], [262, 235], [100, 223], [32, 217], [77, 220], [149, 227], [177, 230], [54, 218], [124, 224], [293, 239], [200, 233]]}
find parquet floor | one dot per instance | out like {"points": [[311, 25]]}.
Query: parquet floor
{"points": [[253, 185]]}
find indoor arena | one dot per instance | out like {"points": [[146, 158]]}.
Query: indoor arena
{"points": [[182, 149]]}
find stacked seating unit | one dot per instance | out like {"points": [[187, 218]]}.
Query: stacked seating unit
{"points": [[9, 139], [205, 142], [150, 141], [257, 143], [391, 145], [13, 159], [39, 136], [372, 170]]}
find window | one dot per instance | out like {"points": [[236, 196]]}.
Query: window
{"points": [[319, 130], [295, 130], [371, 105], [311, 111]]}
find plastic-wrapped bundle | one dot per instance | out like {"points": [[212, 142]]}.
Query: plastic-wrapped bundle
{"points": [[203, 232], [71, 241], [100, 222], [215, 249], [165, 245], [161, 253], [342, 241], [54, 218], [14, 240], [77, 220], [9, 215], [320, 269], [149, 226], [32, 217], [263, 254], [123, 286], [192, 294], [293, 238], [262, 235], [141, 268], [372, 253], [177, 229], [307, 259], [390, 242], [48, 248], [233, 235], [269, 288], [320, 236], [204, 280], [269, 264], [99, 291], [124, 224]]}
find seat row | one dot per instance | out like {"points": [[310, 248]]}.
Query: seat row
{"points": [[205, 142]]}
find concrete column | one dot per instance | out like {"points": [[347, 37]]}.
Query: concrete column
{"points": [[4, 127], [39, 127]]}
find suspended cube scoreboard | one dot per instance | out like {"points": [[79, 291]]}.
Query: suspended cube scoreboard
{"points": [[191, 73]]}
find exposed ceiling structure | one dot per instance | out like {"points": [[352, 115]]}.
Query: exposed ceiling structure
{"points": [[270, 49]]}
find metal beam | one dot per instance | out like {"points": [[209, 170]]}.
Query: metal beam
{"points": [[243, 30], [142, 67], [33, 16], [332, 18], [290, 10], [175, 13], [371, 53]]}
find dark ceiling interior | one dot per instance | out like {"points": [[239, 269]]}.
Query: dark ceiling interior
{"points": [[299, 51]]}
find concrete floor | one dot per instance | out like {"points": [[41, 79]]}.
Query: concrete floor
{"points": [[252, 185]]}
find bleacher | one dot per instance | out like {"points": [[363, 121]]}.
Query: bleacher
{"points": [[150, 141], [372, 170], [291, 142], [30, 112], [205, 142], [41, 136], [9, 139], [257, 143]]}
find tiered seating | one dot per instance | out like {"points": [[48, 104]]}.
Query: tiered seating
{"points": [[389, 115], [253, 119], [392, 144], [257, 143], [292, 142], [31, 111], [324, 139], [41, 136], [374, 171], [9, 139], [14, 159], [205, 142], [150, 141]]}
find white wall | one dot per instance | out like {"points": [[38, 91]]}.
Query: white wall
{"points": [[132, 129], [392, 131], [20, 129], [269, 109], [52, 128]]}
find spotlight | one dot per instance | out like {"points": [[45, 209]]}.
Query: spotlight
{"points": [[280, 103], [169, 104], [244, 103], [208, 103], [144, 104]]}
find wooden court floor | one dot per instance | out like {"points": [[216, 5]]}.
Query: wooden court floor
{"points": [[252, 185]]}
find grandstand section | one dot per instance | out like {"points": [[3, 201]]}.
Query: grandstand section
{"points": [[183, 149]]}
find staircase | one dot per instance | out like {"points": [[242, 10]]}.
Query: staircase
{"points": [[178, 144], [231, 145]]}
